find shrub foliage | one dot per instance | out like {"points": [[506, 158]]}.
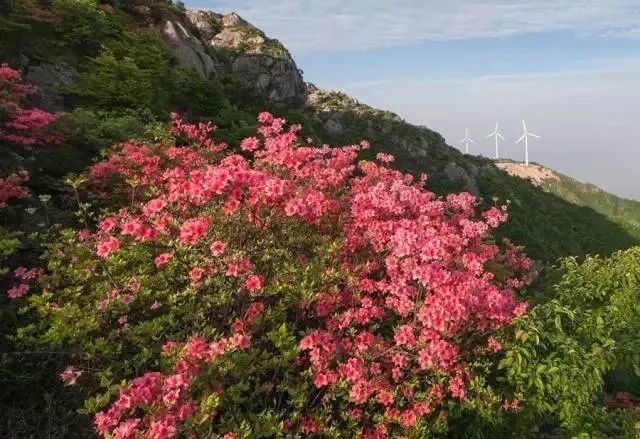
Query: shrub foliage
{"points": [[286, 288]]}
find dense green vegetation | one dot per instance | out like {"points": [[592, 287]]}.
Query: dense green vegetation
{"points": [[569, 357], [584, 327]]}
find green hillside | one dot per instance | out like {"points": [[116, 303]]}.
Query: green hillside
{"points": [[586, 194], [576, 192]]}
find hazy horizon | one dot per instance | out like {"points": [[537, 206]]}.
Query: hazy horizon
{"points": [[570, 68]]}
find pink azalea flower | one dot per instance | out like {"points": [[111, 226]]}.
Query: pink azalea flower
{"points": [[17, 291], [253, 283], [218, 248], [154, 207], [107, 246], [163, 259], [70, 375]]}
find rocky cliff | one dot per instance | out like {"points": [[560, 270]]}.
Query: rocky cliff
{"points": [[212, 43]]}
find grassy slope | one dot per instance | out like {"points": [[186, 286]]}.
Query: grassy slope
{"points": [[626, 211], [586, 194]]}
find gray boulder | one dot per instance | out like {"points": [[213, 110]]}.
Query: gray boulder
{"points": [[263, 64], [49, 78], [277, 79], [207, 23]]}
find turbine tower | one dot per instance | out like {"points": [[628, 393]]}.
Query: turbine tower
{"points": [[467, 140], [496, 134], [526, 136]]}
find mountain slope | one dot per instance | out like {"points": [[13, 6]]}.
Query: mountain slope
{"points": [[220, 67], [576, 192], [550, 224]]}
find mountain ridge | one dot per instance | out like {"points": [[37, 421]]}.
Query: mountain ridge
{"points": [[574, 190], [242, 72]]}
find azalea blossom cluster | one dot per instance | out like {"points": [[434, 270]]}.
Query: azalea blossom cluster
{"points": [[22, 276], [418, 263], [19, 125], [165, 398], [70, 375], [11, 187], [393, 341]]}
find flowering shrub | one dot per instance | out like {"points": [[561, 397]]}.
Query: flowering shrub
{"points": [[18, 125], [24, 229], [23, 126], [11, 187], [290, 289]]}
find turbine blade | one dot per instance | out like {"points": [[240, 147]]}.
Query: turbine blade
{"points": [[462, 140], [521, 138], [491, 135], [500, 135], [472, 141], [534, 135]]}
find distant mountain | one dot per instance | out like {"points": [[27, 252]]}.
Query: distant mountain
{"points": [[576, 192]]}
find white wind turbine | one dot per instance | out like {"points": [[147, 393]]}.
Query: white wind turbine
{"points": [[467, 140], [526, 136], [496, 134]]}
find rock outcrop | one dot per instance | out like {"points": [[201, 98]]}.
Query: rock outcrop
{"points": [[186, 47], [258, 60], [207, 23], [49, 78], [212, 43], [336, 111], [536, 174]]}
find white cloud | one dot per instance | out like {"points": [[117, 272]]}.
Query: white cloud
{"points": [[587, 118], [311, 25]]}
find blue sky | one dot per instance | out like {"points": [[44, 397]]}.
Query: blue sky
{"points": [[570, 67]]}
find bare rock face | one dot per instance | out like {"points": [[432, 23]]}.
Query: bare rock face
{"points": [[185, 47], [262, 63], [207, 23], [233, 19], [333, 101], [49, 78], [333, 126], [239, 39], [212, 43], [275, 78]]}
